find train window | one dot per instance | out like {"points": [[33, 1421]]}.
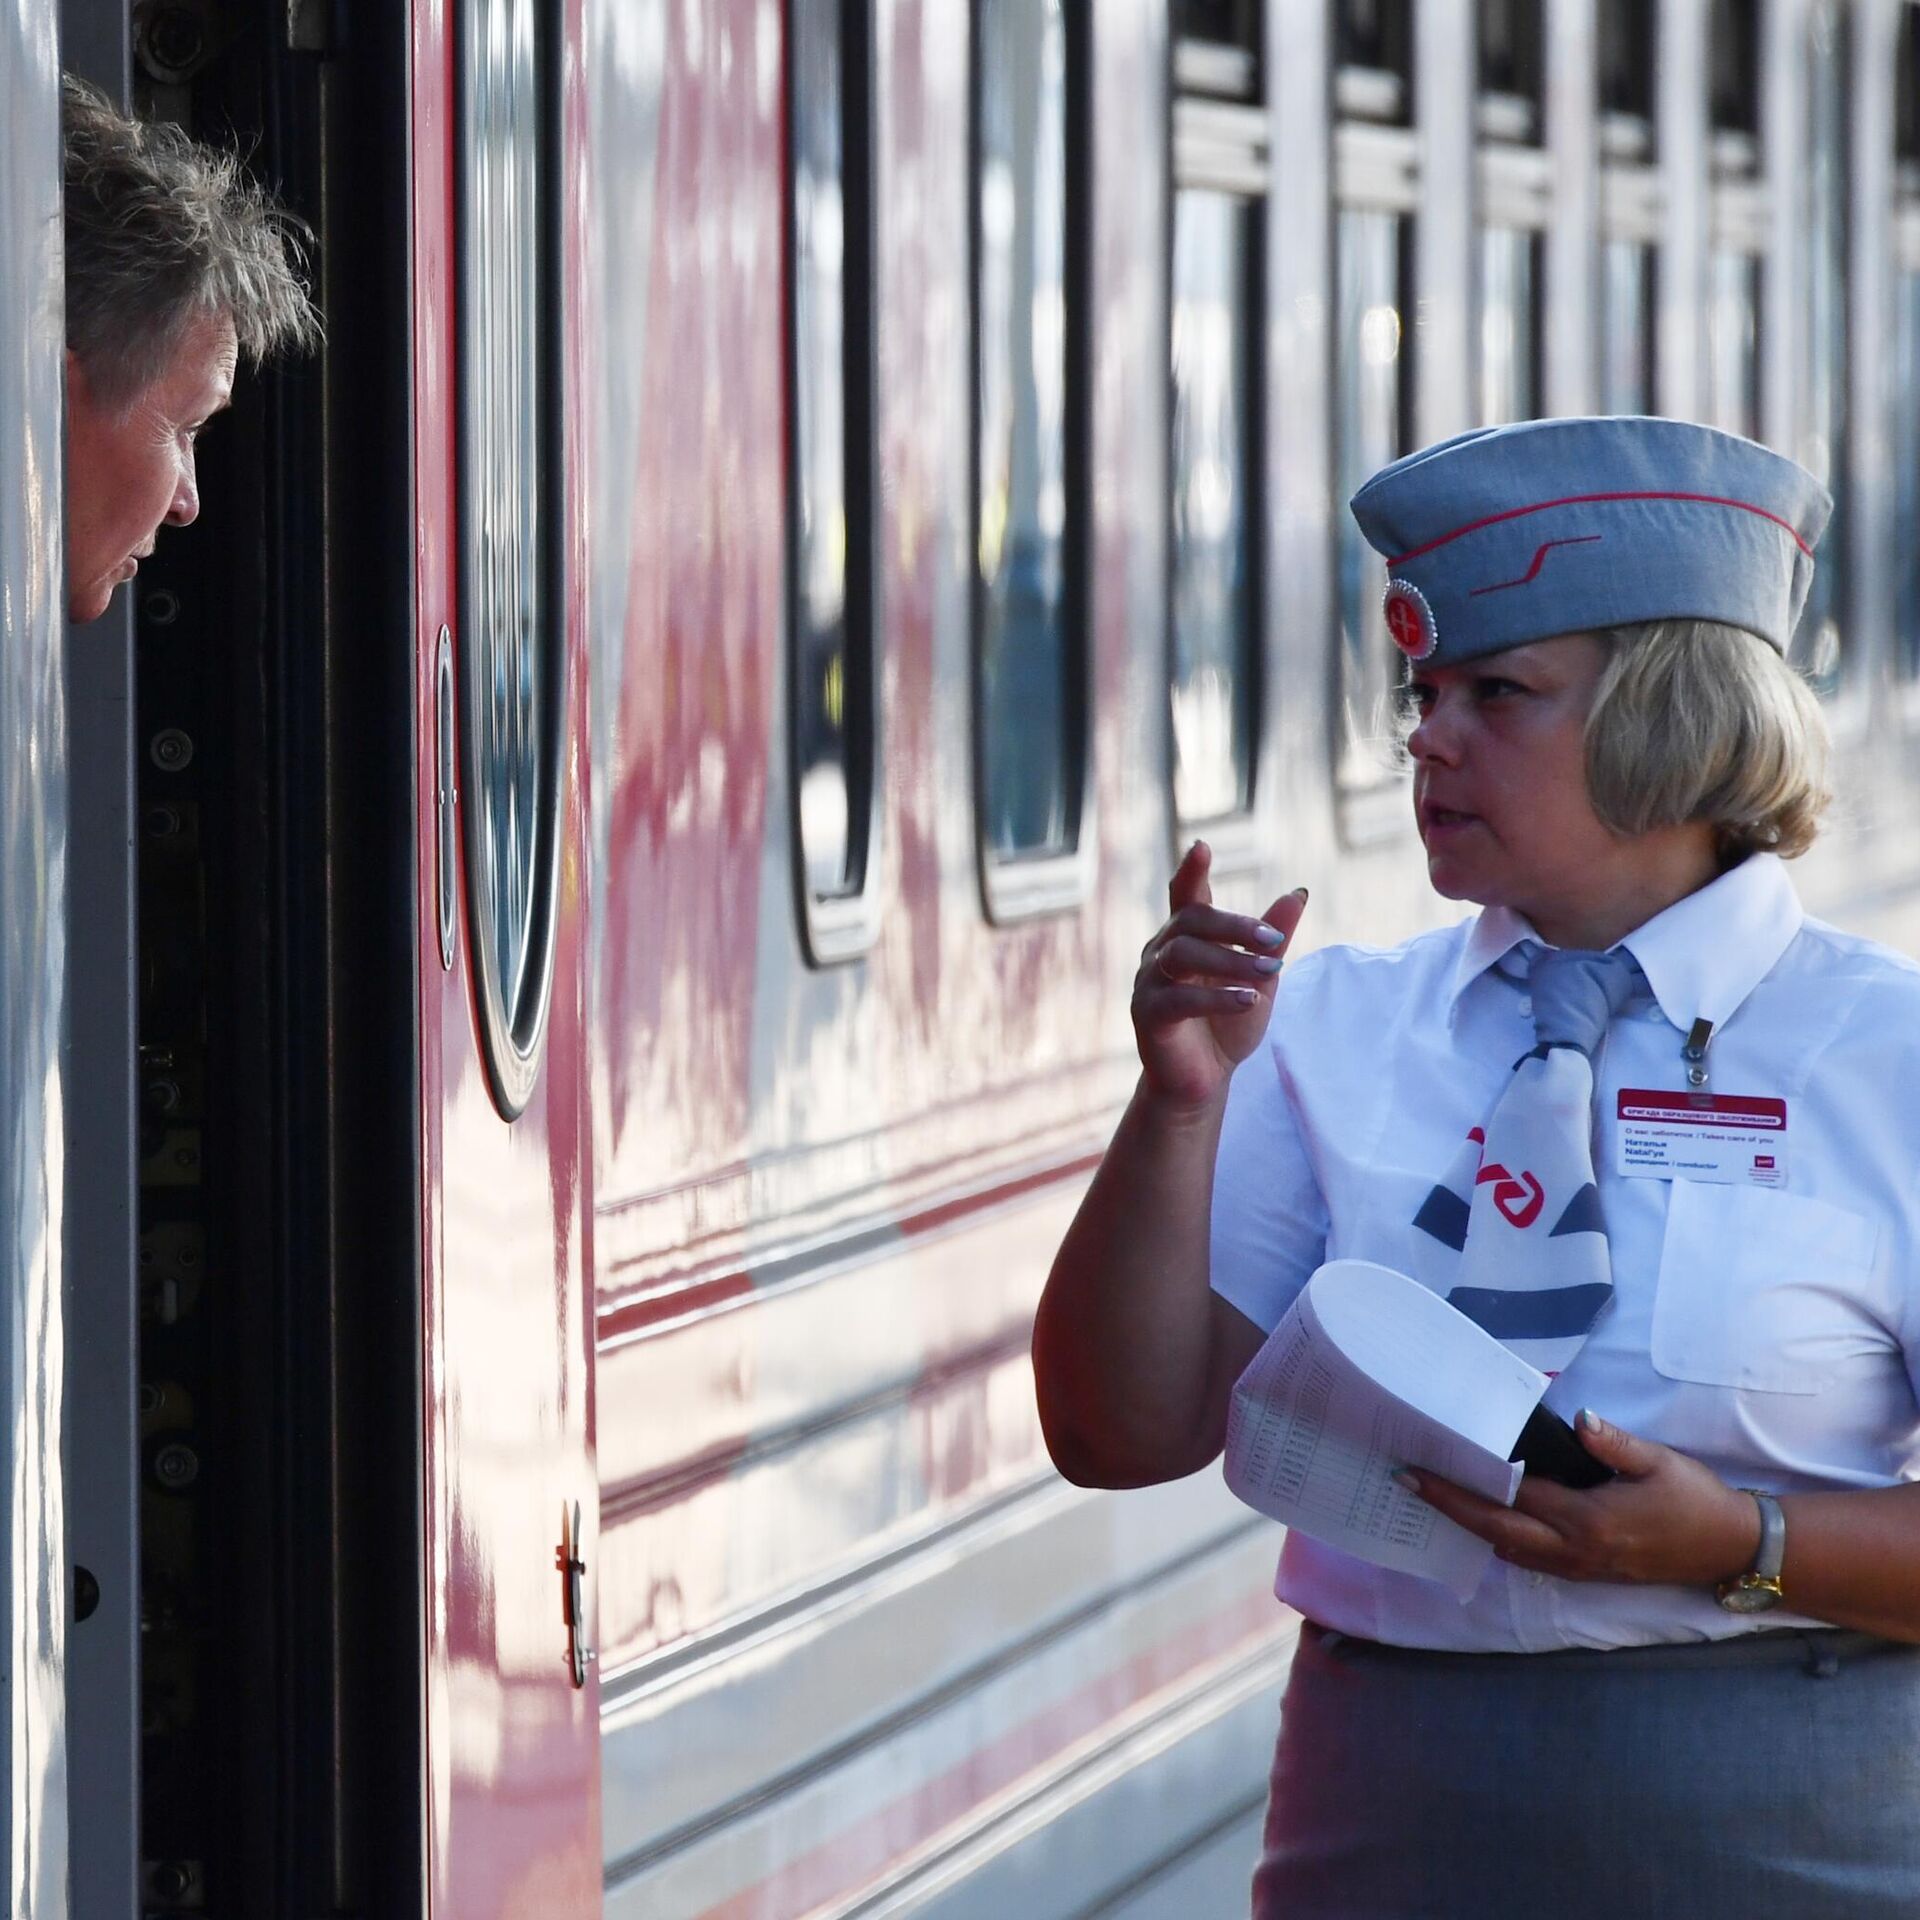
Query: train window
{"points": [[1030, 685], [1906, 97], [1516, 198], [1626, 58], [1733, 52], [1373, 46], [1906, 345], [510, 638], [1509, 43], [1219, 175], [1630, 205], [1821, 438], [834, 635], [1376, 184], [1216, 47]]}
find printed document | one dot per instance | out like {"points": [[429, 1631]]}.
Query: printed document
{"points": [[1369, 1371]]}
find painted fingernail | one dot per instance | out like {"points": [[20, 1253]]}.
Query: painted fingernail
{"points": [[1267, 963], [1247, 996], [1402, 1478], [1591, 1421], [1267, 936]]}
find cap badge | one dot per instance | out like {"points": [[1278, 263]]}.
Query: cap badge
{"points": [[1410, 620]]}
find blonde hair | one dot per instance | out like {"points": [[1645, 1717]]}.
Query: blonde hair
{"points": [[1693, 720]]}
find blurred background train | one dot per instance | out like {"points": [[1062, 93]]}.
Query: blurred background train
{"points": [[592, 897]]}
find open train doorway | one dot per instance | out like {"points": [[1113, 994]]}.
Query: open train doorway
{"points": [[245, 1723]]}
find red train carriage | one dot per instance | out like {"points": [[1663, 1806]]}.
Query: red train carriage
{"points": [[598, 882]]}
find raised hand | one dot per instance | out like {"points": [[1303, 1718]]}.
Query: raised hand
{"points": [[1205, 985]]}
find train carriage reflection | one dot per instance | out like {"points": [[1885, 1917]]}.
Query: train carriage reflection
{"points": [[880, 468]]}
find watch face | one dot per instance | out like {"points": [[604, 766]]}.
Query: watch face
{"points": [[1750, 1598]]}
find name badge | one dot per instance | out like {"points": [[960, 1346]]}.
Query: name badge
{"points": [[1725, 1139]]}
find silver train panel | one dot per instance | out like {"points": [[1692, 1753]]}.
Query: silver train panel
{"points": [[1005, 1690], [33, 919], [817, 1673], [865, 1654]]}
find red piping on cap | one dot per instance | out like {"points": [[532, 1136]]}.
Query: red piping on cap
{"points": [[1585, 499], [1539, 560]]}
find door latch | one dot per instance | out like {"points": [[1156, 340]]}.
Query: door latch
{"points": [[573, 1572]]}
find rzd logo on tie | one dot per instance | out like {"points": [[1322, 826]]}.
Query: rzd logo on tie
{"points": [[1519, 1200]]}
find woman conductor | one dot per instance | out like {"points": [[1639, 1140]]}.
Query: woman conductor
{"points": [[1696, 1688]]}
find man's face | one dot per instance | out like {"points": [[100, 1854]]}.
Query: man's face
{"points": [[128, 470]]}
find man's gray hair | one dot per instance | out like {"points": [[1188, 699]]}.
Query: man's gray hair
{"points": [[161, 231]]}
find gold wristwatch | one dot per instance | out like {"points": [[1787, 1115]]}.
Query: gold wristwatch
{"points": [[1759, 1587]]}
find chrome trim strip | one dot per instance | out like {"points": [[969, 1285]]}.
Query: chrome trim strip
{"points": [[1001, 1826], [798, 1623], [101, 1200], [33, 964], [511, 635], [798, 1615]]}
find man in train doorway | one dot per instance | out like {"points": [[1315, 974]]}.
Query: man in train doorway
{"points": [[176, 264]]}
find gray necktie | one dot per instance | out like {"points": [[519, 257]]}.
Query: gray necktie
{"points": [[1513, 1234], [1576, 994]]}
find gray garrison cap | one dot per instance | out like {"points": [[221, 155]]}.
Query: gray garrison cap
{"points": [[1519, 533]]}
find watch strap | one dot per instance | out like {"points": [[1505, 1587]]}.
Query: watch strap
{"points": [[1772, 1555]]}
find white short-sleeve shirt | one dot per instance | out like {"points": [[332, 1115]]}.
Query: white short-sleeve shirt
{"points": [[1772, 1333]]}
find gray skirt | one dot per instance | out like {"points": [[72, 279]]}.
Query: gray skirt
{"points": [[1773, 1777]]}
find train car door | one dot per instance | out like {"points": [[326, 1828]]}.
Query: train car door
{"points": [[512, 1773], [33, 913]]}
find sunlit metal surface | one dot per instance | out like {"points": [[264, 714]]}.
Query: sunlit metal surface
{"points": [[1626, 278], [853, 1626], [623, 58], [1820, 441], [1906, 445], [508, 635], [845, 1655], [1214, 351], [1509, 359], [915, 1445], [33, 959], [1015, 1745], [824, 1197], [1369, 339], [512, 1787], [1733, 356], [1443, 236], [685, 499]]}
